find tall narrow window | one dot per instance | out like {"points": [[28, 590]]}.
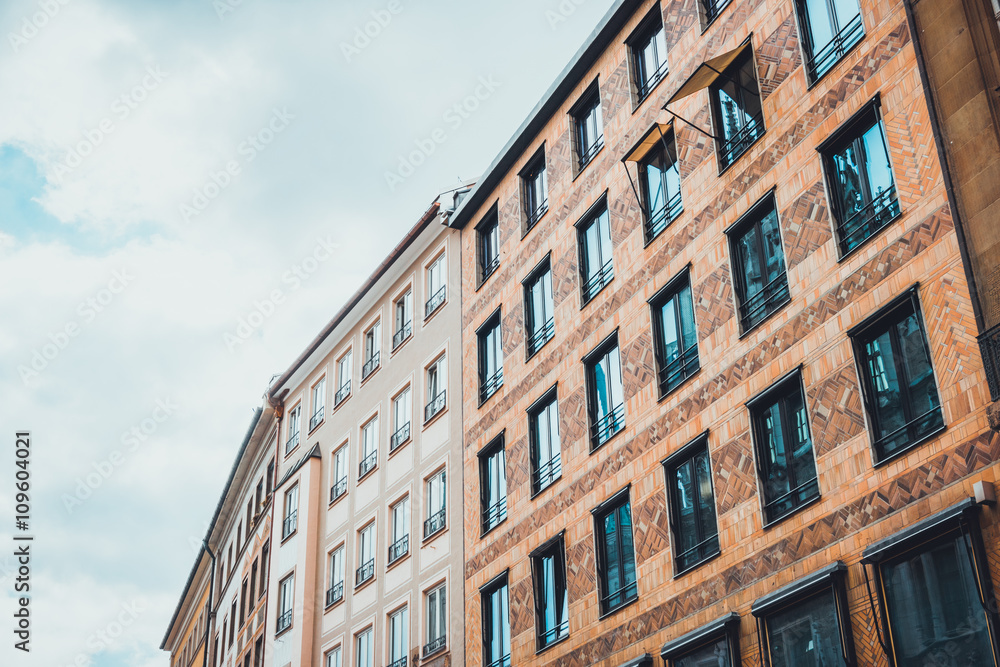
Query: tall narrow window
{"points": [[785, 460], [263, 567], [830, 28], [490, 358], [286, 599], [596, 265], [488, 242], [535, 190], [588, 126], [648, 50], [436, 510], [739, 120], [365, 648], [660, 182], [435, 389], [343, 379], [437, 621], [674, 334], [334, 658], [496, 623], [538, 308], [401, 410], [692, 505], [294, 426], [493, 484], [339, 487], [605, 396], [436, 288], [398, 638], [615, 552], [318, 403], [712, 8], [373, 345], [335, 592], [399, 544], [243, 603], [403, 324], [901, 397], [366, 555], [548, 569], [369, 447], [758, 264], [543, 431], [290, 522], [860, 179], [253, 587]]}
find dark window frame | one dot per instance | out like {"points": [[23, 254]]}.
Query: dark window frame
{"points": [[685, 456], [688, 361], [725, 628], [494, 586], [491, 384], [536, 337], [727, 157], [579, 114], [554, 464], [643, 83], [496, 446], [488, 245], [591, 286], [554, 548], [534, 205], [819, 63], [601, 350], [655, 222], [629, 593]]}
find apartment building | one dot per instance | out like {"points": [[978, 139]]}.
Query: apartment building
{"points": [[728, 405], [185, 638], [367, 556]]}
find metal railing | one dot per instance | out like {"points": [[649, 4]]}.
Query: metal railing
{"points": [[531, 217], [398, 438], [335, 593], [608, 425], [659, 219], [541, 336], [398, 663], [435, 406], [365, 572], [864, 222], [317, 418], [489, 267], [733, 147], [825, 58], [435, 523], [713, 8], [790, 500], [338, 489], [370, 366], [757, 307], [989, 346], [284, 621], [494, 514], [435, 645], [699, 552], [677, 370], [503, 661], [289, 525], [402, 334], [342, 393], [367, 464], [547, 473], [617, 598], [435, 301], [399, 548], [596, 282], [913, 430], [554, 634], [587, 154], [490, 385], [654, 78], [292, 443]]}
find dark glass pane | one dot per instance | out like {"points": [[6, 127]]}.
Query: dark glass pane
{"points": [[715, 654], [686, 519], [627, 550], [613, 566], [881, 367], [706, 500], [922, 390], [820, 26], [806, 635]]}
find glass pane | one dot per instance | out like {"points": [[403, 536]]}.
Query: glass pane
{"points": [[922, 390], [706, 501], [687, 526], [656, 198], [627, 550], [846, 10], [713, 655], [888, 404], [615, 377], [774, 258], [806, 635], [850, 197], [668, 322], [777, 455], [750, 263], [877, 163], [612, 550], [688, 333], [821, 27], [591, 251], [732, 116], [602, 398], [604, 228]]}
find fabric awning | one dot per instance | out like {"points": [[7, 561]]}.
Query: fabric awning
{"points": [[709, 71], [648, 142]]}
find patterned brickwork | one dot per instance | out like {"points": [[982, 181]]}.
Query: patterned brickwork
{"points": [[733, 472], [778, 57], [581, 569], [693, 146], [651, 527], [805, 224], [835, 410], [522, 607], [713, 301], [638, 364], [512, 329]]}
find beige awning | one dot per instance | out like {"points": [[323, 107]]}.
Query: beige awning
{"points": [[648, 142], [709, 71]]}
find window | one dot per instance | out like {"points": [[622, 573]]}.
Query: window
{"points": [[739, 120], [399, 542], [343, 379], [488, 243], [259, 652], [715, 644], [758, 264], [243, 603], [285, 603], [294, 425], [269, 479], [588, 127], [674, 334], [615, 552], [318, 403], [538, 308], [490, 357], [596, 265], [436, 288], [339, 487], [830, 28], [366, 555], [493, 484], [403, 319], [605, 396], [648, 49], [263, 567], [897, 378], [435, 389], [253, 586], [534, 190], [365, 643], [369, 447], [436, 511], [711, 9], [548, 570], [334, 658], [660, 183], [784, 455], [373, 343], [335, 593], [496, 623], [860, 179], [401, 410], [290, 522], [437, 621], [543, 432], [692, 505], [398, 642]]}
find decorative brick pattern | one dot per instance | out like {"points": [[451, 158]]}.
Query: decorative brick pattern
{"points": [[573, 417], [805, 225], [624, 213], [512, 329], [713, 301], [638, 364], [835, 409], [518, 458], [733, 470], [581, 569], [693, 146], [522, 607], [651, 527], [778, 57]]}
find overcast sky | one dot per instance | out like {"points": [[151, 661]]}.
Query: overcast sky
{"points": [[164, 166]]}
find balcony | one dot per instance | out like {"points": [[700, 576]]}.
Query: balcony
{"points": [[284, 621], [742, 139], [289, 525], [317, 418], [646, 87], [534, 216], [596, 282], [494, 515], [541, 336], [435, 524], [490, 385], [338, 489], [547, 473], [863, 223], [335, 594], [370, 366], [400, 437], [398, 663], [399, 548], [402, 334], [678, 369], [758, 306], [342, 393], [554, 634], [365, 573], [608, 425], [586, 156], [292, 443], [658, 220], [435, 302], [989, 345], [367, 464], [825, 58], [434, 407], [435, 645]]}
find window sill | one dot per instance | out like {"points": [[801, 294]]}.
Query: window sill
{"points": [[610, 438], [538, 349], [293, 449], [534, 223], [288, 537], [795, 510], [640, 100], [664, 395], [535, 494], [402, 344], [364, 584], [756, 325], [909, 448], [648, 240], [367, 474], [485, 279], [491, 528], [554, 642], [400, 446], [276, 635], [433, 536], [623, 605], [811, 84], [396, 562], [337, 500], [339, 602], [694, 566], [483, 400], [336, 406], [436, 652], [586, 300], [428, 317], [888, 223], [370, 374], [583, 167], [436, 416], [746, 151], [313, 429]]}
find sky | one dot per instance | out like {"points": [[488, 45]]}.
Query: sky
{"points": [[165, 166]]}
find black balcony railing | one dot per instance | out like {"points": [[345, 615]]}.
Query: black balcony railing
{"points": [[435, 645], [435, 302], [608, 425], [651, 80], [989, 346], [490, 385], [400, 437], [736, 145], [587, 154], [554, 634], [285, 621], [317, 418], [435, 524], [398, 663], [532, 217], [757, 307], [678, 369], [690, 557], [787, 502], [501, 662], [370, 366], [491, 265], [399, 548], [335, 593], [659, 219], [622, 596], [713, 8], [402, 334], [342, 393], [494, 514], [911, 432], [863, 223], [365, 572], [596, 282], [435, 406], [292, 443], [367, 464], [827, 56], [547, 473], [289, 525], [541, 336], [338, 489]]}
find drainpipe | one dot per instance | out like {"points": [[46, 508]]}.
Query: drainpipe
{"points": [[211, 594]]}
